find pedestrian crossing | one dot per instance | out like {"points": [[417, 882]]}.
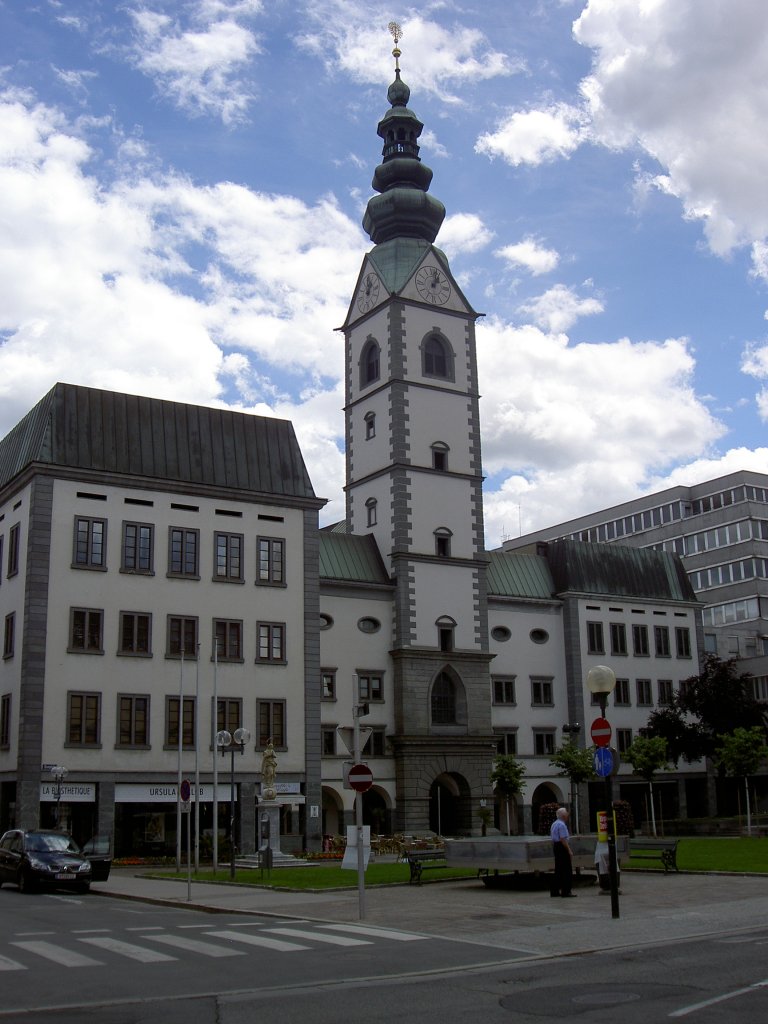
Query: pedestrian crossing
{"points": [[157, 945]]}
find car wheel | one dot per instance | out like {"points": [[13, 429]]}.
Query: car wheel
{"points": [[25, 882], [85, 887]]}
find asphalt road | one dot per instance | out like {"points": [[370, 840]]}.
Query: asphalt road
{"points": [[72, 960]]}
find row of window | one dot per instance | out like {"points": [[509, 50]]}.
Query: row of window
{"points": [[132, 720], [503, 691], [640, 640], [720, 537], [370, 685], [729, 572], [14, 541], [731, 611], [436, 359], [183, 554], [544, 741]]}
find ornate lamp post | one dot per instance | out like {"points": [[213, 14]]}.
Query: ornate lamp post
{"points": [[601, 682], [227, 742], [59, 773]]}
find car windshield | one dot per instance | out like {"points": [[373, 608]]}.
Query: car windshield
{"points": [[49, 841]]}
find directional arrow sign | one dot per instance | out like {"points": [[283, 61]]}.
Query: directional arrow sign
{"points": [[600, 731], [360, 777]]}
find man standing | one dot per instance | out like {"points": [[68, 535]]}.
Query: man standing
{"points": [[563, 880]]}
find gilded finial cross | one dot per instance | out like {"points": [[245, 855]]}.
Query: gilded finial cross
{"points": [[397, 35]]}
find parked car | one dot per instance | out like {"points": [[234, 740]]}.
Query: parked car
{"points": [[34, 857]]}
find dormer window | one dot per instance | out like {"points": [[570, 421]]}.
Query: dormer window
{"points": [[370, 363]]}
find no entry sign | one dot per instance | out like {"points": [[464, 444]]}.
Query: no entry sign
{"points": [[360, 777], [600, 732]]}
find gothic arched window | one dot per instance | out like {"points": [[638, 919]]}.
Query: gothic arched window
{"points": [[443, 700], [370, 363], [437, 357]]}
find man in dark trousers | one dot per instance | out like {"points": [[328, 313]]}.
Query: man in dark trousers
{"points": [[563, 880]]}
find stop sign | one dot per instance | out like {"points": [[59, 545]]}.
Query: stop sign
{"points": [[360, 777], [600, 732]]}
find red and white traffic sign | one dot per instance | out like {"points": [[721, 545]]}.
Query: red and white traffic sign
{"points": [[360, 777], [601, 732]]}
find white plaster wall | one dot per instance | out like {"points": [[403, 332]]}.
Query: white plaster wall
{"points": [[377, 326], [367, 456], [440, 500], [12, 591], [444, 589], [379, 489], [436, 416], [419, 322]]}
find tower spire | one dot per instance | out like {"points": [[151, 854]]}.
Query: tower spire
{"points": [[403, 209]]}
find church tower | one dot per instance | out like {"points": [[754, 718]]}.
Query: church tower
{"points": [[414, 481]]}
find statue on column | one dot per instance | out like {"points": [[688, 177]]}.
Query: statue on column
{"points": [[268, 772]]}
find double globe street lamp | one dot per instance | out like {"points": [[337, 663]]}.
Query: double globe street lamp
{"points": [[601, 682], [231, 742]]}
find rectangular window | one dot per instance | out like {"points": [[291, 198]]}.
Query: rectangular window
{"points": [[5, 720], [228, 557], [661, 640], [644, 694], [135, 633], [138, 547], [328, 737], [543, 742], [623, 740], [370, 687], [14, 543], [640, 641], [328, 683], [270, 714], [228, 638], [618, 638], [229, 714], [90, 543], [503, 690], [172, 723], [665, 692], [541, 692], [370, 426], [375, 745], [507, 742], [683, 641], [595, 638], [9, 635], [182, 637], [271, 561], [133, 721], [85, 631], [445, 638], [184, 552], [84, 719], [270, 642], [621, 693]]}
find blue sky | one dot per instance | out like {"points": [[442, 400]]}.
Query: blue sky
{"points": [[182, 186]]}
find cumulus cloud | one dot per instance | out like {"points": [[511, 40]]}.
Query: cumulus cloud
{"points": [[536, 136], [530, 255], [558, 308], [463, 232]]}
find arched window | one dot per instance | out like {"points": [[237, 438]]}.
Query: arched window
{"points": [[370, 507], [443, 701], [443, 542], [370, 425], [440, 456], [445, 630], [437, 357], [370, 363]]}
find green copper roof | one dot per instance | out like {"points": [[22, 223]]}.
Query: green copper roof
{"points": [[352, 559], [614, 570], [511, 574], [397, 260]]}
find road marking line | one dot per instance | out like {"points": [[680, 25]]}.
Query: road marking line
{"points": [[379, 933], [91, 931], [59, 955], [182, 942], [685, 1010], [6, 964], [258, 940], [333, 940], [140, 953]]}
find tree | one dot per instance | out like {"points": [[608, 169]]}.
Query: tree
{"points": [[577, 765], [739, 754], [648, 755], [507, 779]]}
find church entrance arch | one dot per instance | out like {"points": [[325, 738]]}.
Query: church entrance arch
{"points": [[546, 793], [376, 812], [450, 812]]}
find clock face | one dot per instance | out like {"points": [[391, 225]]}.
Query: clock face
{"points": [[433, 286], [368, 293]]}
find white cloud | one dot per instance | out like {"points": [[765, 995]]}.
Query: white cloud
{"points": [[529, 254], [463, 233], [558, 308], [535, 136], [199, 68]]}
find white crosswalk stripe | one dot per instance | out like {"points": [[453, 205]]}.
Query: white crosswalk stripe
{"points": [[376, 933], [139, 953], [58, 954], [194, 945], [6, 964], [333, 940], [280, 945]]}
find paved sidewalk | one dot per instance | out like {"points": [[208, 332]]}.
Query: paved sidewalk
{"points": [[654, 907]]}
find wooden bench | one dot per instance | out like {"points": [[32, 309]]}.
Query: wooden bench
{"points": [[424, 860], [651, 848]]}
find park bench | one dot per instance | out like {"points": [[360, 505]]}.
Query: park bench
{"points": [[653, 848], [424, 860]]}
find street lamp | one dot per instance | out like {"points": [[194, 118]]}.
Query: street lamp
{"points": [[601, 682], [227, 742], [59, 773]]}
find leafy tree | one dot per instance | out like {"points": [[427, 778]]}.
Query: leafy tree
{"points": [[648, 755], [507, 779], [707, 707], [577, 765], [739, 754]]}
